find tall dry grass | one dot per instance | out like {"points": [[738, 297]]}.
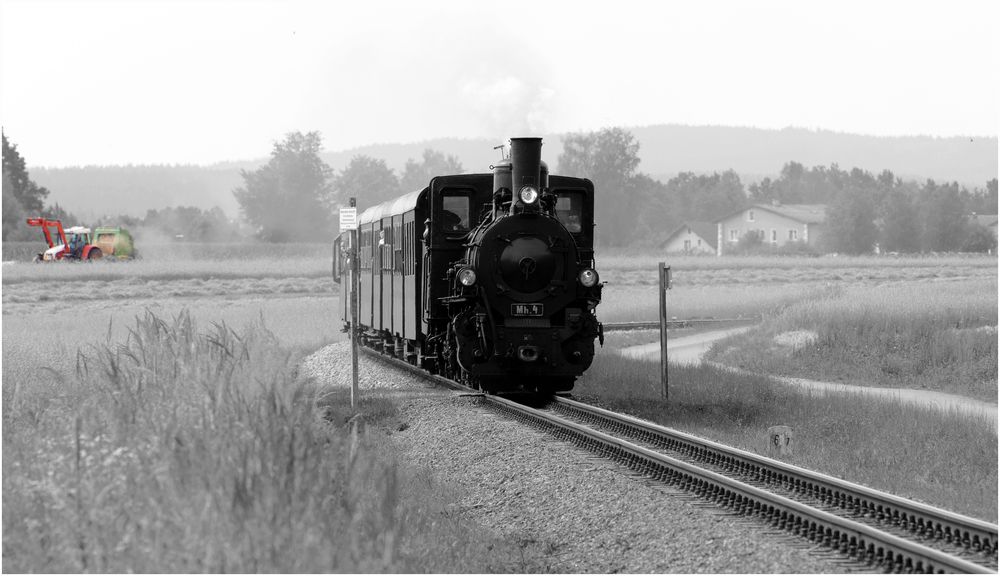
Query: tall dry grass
{"points": [[183, 451]]}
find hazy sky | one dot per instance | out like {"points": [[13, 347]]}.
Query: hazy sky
{"points": [[87, 82]]}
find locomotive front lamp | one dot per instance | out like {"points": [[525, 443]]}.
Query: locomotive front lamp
{"points": [[528, 195], [467, 276], [588, 277]]}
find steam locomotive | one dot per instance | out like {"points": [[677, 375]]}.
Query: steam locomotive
{"points": [[487, 279]]}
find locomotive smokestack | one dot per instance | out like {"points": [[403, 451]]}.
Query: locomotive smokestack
{"points": [[526, 158]]}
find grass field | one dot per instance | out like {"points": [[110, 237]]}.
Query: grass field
{"points": [[915, 322], [937, 336], [177, 423]]}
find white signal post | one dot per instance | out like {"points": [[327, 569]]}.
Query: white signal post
{"points": [[349, 221], [664, 274]]}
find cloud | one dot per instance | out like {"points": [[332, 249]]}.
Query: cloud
{"points": [[510, 104]]}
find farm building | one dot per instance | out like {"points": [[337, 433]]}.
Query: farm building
{"points": [[691, 238], [777, 225]]}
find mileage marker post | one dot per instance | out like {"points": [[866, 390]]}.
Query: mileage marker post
{"points": [[664, 274], [349, 221]]}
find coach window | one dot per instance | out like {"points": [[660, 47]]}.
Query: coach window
{"points": [[569, 210], [455, 212]]}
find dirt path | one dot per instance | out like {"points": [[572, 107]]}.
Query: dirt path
{"points": [[690, 349], [683, 350]]}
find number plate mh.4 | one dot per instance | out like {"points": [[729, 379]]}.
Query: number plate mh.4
{"points": [[527, 309]]}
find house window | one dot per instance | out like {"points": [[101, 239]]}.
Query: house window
{"points": [[774, 236], [734, 235], [687, 245], [793, 235], [699, 242], [750, 216]]}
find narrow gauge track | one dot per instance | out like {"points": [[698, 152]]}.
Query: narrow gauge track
{"points": [[877, 528]]}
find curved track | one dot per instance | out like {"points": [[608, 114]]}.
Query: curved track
{"points": [[874, 527]]}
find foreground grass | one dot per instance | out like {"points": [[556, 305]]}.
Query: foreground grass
{"points": [[939, 336], [182, 451], [943, 459]]}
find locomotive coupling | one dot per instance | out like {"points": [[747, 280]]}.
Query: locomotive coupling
{"points": [[527, 353]]}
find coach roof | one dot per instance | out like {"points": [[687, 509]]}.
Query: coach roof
{"points": [[392, 207]]}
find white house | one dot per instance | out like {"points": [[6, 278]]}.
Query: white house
{"points": [[777, 225], [691, 238]]}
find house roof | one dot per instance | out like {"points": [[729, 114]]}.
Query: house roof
{"points": [[805, 213], [705, 230], [986, 220]]}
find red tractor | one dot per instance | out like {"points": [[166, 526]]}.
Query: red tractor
{"points": [[78, 247]]}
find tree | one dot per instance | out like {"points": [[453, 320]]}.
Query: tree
{"points": [[13, 216], [706, 197], [289, 198], [367, 179], [900, 225], [979, 239], [984, 201], [851, 221], [190, 223], [609, 158], [943, 216], [416, 175], [29, 195]]}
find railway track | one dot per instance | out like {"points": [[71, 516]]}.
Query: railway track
{"points": [[876, 528]]}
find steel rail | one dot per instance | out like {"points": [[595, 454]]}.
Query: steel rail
{"points": [[908, 514], [854, 539]]}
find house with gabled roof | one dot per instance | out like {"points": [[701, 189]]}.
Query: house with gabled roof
{"points": [[776, 224], [691, 238]]}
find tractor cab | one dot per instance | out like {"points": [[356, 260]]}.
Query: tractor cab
{"points": [[78, 237]]}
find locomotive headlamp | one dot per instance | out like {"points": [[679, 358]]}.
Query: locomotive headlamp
{"points": [[467, 276], [529, 195], [588, 277]]}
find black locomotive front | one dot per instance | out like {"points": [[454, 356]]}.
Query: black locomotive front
{"points": [[522, 299]]}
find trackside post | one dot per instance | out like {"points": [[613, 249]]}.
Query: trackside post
{"points": [[664, 274], [349, 221]]}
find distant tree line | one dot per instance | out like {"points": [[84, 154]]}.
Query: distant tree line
{"points": [[179, 224], [863, 210], [295, 196]]}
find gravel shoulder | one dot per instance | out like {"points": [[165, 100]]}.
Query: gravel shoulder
{"points": [[568, 510]]}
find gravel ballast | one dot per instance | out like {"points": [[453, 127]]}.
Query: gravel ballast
{"points": [[570, 510]]}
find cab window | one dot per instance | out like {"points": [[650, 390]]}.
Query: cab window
{"points": [[569, 210], [455, 213]]}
